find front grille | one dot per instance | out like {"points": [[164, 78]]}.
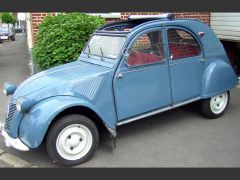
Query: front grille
{"points": [[9, 115]]}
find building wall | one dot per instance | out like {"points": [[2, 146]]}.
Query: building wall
{"points": [[202, 16], [38, 17]]}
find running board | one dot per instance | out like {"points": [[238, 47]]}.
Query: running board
{"points": [[156, 111]]}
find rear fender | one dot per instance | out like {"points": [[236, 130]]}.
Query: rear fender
{"points": [[219, 77]]}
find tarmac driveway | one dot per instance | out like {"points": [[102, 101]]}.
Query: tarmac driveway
{"points": [[178, 138]]}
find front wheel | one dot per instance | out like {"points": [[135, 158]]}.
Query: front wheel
{"points": [[215, 107], [72, 140]]}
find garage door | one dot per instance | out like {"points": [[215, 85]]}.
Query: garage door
{"points": [[226, 25]]}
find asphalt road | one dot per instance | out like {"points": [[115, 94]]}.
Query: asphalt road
{"points": [[178, 138]]}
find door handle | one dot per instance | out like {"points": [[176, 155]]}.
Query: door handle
{"points": [[120, 75]]}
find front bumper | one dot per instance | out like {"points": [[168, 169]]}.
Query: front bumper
{"points": [[11, 142]]}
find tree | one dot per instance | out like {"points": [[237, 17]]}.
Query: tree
{"points": [[8, 19], [61, 38]]}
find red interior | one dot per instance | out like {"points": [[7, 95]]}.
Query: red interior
{"points": [[177, 50], [138, 58], [183, 50]]}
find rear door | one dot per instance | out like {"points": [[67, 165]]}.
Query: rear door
{"points": [[185, 64]]}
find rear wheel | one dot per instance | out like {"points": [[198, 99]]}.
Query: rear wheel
{"points": [[215, 107], [72, 140]]}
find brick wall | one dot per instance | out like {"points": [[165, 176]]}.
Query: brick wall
{"points": [[124, 15], [203, 16], [37, 18]]}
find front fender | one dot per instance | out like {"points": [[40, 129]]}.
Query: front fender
{"points": [[219, 77], [35, 123]]}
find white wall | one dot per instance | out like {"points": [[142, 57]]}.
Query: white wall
{"points": [[226, 25], [29, 30]]}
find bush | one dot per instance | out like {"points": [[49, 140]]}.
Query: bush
{"points": [[61, 38], [7, 18]]}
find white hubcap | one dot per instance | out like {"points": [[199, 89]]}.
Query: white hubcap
{"points": [[219, 103], [74, 142]]}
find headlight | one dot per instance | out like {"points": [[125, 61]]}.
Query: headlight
{"points": [[5, 92], [9, 89], [23, 104]]}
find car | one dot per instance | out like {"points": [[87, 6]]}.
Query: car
{"points": [[7, 34], [128, 70], [19, 28]]}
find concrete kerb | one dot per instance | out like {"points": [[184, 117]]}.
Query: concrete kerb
{"points": [[1, 151], [14, 160]]}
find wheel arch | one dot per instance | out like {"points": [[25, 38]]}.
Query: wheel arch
{"points": [[35, 125], [219, 77], [83, 110]]}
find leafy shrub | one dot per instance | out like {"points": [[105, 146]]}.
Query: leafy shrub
{"points": [[7, 18], [61, 38]]}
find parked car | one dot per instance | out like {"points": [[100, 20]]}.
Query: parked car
{"points": [[128, 70], [19, 29], [7, 34]]}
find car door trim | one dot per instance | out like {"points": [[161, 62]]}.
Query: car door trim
{"points": [[143, 68], [157, 111]]}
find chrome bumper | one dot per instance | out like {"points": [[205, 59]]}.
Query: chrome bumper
{"points": [[11, 142]]}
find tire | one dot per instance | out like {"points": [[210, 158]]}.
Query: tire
{"points": [[215, 107], [80, 137]]}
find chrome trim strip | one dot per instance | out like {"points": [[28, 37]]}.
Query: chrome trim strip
{"points": [[156, 111], [143, 67]]}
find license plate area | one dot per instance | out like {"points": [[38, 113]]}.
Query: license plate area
{"points": [[4, 37]]}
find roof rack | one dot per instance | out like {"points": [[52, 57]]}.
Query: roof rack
{"points": [[169, 16]]}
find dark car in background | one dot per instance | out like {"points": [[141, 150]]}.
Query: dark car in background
{"points": [[7, 34], [19, 29]]}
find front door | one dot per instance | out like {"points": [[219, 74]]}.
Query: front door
{"points": [[142, 83], [185, 64]]}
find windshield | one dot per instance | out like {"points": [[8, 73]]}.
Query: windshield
{"points": [[105, 46]]}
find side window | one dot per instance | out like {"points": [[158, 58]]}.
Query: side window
{"points": [[181, 44], [147, 49]]}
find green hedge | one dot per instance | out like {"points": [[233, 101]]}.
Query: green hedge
{"points": [[61, 38]]}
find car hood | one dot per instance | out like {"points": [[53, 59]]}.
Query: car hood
{"points": [[78, 78]]}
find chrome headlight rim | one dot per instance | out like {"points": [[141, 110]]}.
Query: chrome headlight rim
{"points": [[5, 92], [23, 104], [18, 106]]}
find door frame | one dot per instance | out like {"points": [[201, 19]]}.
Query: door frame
{"points": [[201, 56]]}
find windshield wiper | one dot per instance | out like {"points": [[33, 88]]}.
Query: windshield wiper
{"points": [[89, 50], [101, 53]]}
